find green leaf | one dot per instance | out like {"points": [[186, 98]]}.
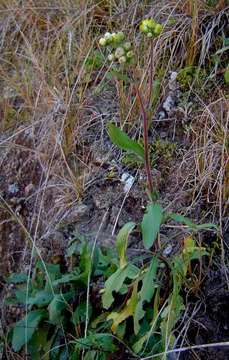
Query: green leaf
{"points": [[17, 278], [74, 276], [127, 311], [42, 298], [25, 328], [21, 295], [226, 75], [57, 305], [99, 341], [151, 224], [115, 282], [147, 291], [123, 141], [84, 265], [122, 240], [38, 342], [190, 224], [79, 314]]}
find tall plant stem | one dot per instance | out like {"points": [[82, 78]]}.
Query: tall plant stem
{"points": [[146, 143], [150, 75]]}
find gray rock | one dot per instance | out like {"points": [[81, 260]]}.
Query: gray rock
{"points": [[13, 189], [75, 214]]}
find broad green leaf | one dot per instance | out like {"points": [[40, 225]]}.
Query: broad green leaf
{"points": [[115, 282], [74, 276], [123, 141], [84, 265], [151, 224], [190, 224], [21, 295], [98, 341], [25, 328], [57, 305], [38, 343], [17, 278], [129, 310], [79, 314], [41, 298], [122, 240], [147, 291]]}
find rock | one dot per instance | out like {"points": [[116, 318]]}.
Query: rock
{"points": [[13, 189], [75, 214], [168, 250], [128, 181], [169, 103], [28, 189]]}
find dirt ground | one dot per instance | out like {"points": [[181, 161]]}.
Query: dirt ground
{"points": [[47, 194]]}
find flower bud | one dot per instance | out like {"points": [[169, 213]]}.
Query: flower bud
{"points": [[158, 29], [127, 46], [130, 54], [120, 36], [119, 52], [111, 57], [107, 35], [102, 42], [122, 60], [143, 27], [149, 35]]}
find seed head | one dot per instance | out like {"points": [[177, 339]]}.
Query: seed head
{"points": [[120, 36], [122, 60], [102, 42], [158, 29], [111, 57], [119, 52], [130, 54], [127, 46]]}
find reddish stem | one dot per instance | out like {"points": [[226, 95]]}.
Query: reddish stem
{"points": [[146, 144], [150, 75]]}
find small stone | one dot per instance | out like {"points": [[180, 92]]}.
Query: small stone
{"points": [[28, 189], [76, 214], [13, 189], [173, 76], [128, 181], [168, 250], [168, 104]]}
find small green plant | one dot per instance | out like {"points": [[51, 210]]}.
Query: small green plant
{"points": [[56, 308], [162, 150], [190, 75], [136, 302]]}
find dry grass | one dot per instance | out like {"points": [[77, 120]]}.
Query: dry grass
{"points": [[54, 108]]}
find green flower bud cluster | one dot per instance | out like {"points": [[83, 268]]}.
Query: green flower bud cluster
{"points": [[121, 49], [150, 28]]}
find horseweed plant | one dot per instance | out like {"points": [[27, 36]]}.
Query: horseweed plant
{"points": [[141, 300]]}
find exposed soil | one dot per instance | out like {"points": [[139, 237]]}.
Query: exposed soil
{"points": [[34, 206]]}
